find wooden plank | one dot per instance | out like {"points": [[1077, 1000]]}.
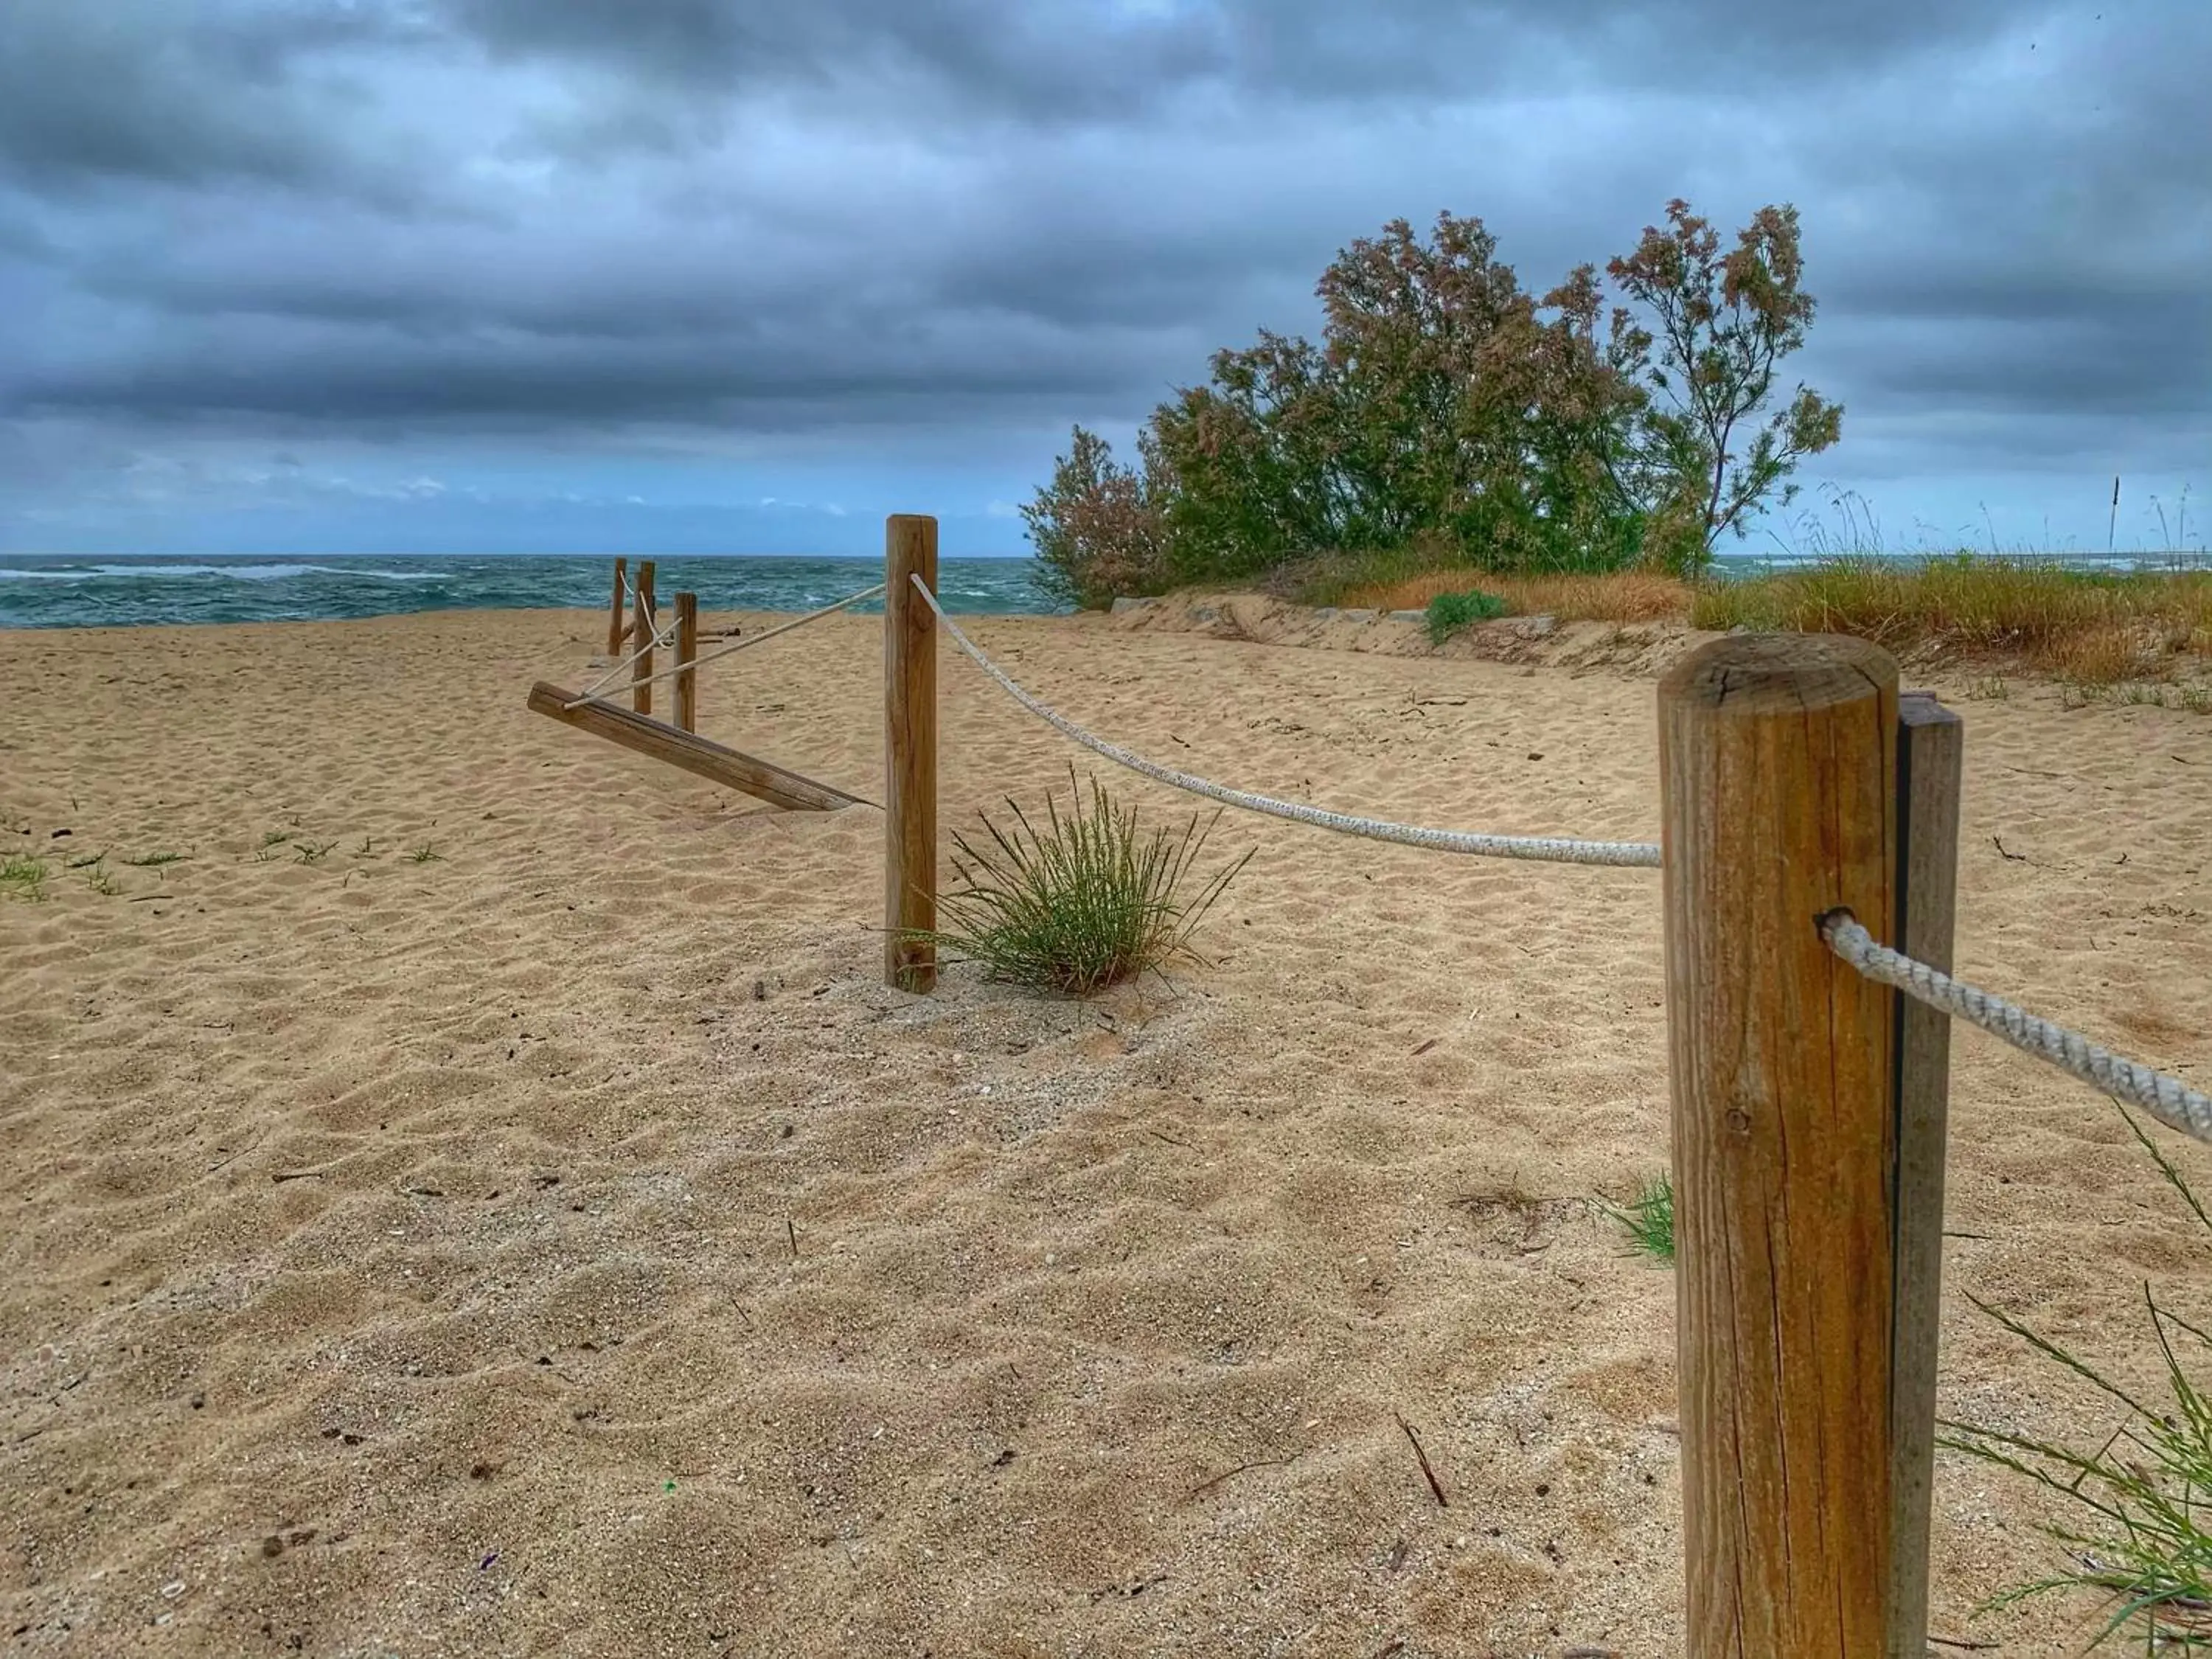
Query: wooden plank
{"points": [[731, 768], [644, 624], [1778, 766], [1930, 750], [687, 650], [910, 753], [616, 627]]}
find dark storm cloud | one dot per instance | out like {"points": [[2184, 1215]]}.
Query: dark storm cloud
{"points": [[567, 216]]}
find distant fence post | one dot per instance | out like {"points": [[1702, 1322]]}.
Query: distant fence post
{"points": [[1931, 749], [1779, 773], [687, 648], [644, 627], [615, 616], [910, 752]]}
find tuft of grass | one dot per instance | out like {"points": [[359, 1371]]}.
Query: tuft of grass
{"points": [[426, 853], [102, 882], [1992, 689], [275, 838], [2142, 1543], [2197, 699], [1084, 902], [367, 849], [23, 875], [1649, 1218], [314, 852], [154, 860], [1448, 613]]}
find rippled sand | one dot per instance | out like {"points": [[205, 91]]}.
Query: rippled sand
{"points": [[506, 1214]]}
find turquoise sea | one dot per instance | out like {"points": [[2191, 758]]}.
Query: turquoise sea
{"points": [[42, 591]]}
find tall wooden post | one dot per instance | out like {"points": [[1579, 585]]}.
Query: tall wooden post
{"points": [[644, 626], [1931, 747], [1778, 777], [615, 616], [910, 752], [687, 649]]}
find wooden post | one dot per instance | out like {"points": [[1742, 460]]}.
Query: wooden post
{"points": [[615, 630], [644, 625], [910, 752], [1779, 774], [687, 649], [1930, 747]]}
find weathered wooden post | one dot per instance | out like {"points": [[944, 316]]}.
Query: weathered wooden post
{"points": [[615, 630], [910, 752], [1931, 749], [645, 626], [687, 650], [1778, 758]]}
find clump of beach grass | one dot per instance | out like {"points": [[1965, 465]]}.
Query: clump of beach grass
{"points": [[1649, 1218], [2140, 1535], [1084, 900], [1448, 613], [24, 876]]}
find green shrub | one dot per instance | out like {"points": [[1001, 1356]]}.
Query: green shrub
{"points": [[1084, 902], [1450, 612], [1649, 1216], [25, 876], [2143, 1544]]}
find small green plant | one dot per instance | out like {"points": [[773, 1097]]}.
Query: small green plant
{"points": [[1085, 901], [1649, 1218], [154, 860], [314, 852], [102, 882], [2197, 699], [2144, 1541], [88, 861], [24, 876], [1991, 689], [426, 853], [367, 849], [1450, 612]]}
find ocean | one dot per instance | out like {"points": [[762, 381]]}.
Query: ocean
{"points": [[54, 591], [43, 590]]}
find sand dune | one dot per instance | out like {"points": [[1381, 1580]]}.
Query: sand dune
{"points": [[480, 1199]]}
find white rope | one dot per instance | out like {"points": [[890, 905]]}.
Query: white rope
{"points": [[762, 638], [2165, 1097], [652, 636], [1555, 849]]}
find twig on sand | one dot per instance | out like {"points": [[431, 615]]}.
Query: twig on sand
{"points": [[1435, 1485], [1263, 1463], [791, 1233], [283, 1176]]}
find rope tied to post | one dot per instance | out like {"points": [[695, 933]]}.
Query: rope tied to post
{"points": [[731, 649], [2164, 1096], [1547, 848]]}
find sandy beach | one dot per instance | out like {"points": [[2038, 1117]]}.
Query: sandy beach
{"points": [[481, 1200]]}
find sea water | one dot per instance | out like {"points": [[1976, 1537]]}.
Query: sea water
{"points": [[43, 590]]}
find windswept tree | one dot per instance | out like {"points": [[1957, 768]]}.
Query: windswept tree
{"points": [[1724, 323], [1097, 526]]}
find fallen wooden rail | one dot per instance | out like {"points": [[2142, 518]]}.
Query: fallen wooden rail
{"points": [[731, 768]]}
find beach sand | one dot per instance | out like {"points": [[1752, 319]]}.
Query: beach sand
{"points": [[506, 1214]]}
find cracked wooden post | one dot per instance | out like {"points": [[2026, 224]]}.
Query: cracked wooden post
{"points": [[1778, 758], [910, 753], [687, 648], [644, 625], [615, 628]]}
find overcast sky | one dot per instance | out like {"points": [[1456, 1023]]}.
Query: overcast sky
{"points": [[745, 275]]}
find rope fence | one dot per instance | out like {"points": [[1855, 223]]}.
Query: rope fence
{"points": [[762, 638], [2164, 1096], [1553, 849], [655, 638]]}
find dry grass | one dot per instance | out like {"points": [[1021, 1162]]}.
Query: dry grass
{"points": [[1620, 596], [2089, 628]]}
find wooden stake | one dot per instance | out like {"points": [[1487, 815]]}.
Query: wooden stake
{"points": [[687, 649], [910, 753], [731, 767], [644, 624], [1930, 747], [1778, 768], [615, 628]]}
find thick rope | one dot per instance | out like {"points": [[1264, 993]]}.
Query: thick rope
{"points": [[2165, 1097], [652, 636], [762, 638], [1554, 849]]}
